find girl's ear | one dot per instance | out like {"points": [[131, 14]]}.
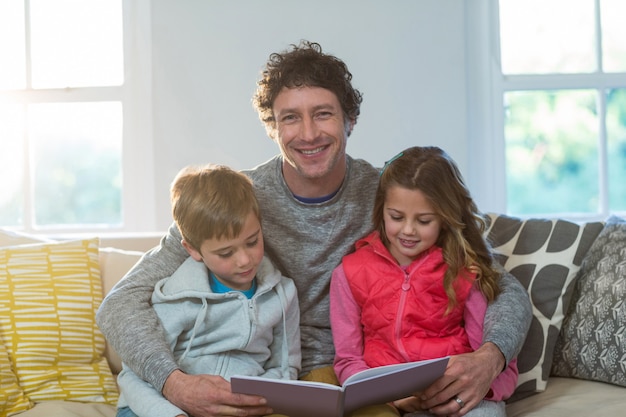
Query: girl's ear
{"points": [[197, 256]]}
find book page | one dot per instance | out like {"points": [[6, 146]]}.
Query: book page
{"points": [[316, 399], [381, 370], [390, 383], [293, 398]]}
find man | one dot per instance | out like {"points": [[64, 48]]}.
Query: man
{"points": [[316, 201]]}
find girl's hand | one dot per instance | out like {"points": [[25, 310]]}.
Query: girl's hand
{"points": [[409, 404]]}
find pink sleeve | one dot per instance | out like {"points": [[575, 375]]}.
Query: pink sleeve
{"points": [[474, 315], [345, 320], [475, 307]]}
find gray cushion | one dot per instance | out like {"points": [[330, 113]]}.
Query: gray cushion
{"points": [[592, 343], [545, 256]]}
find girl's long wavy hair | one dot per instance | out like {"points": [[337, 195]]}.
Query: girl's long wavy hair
{"points": [[436, 175]]}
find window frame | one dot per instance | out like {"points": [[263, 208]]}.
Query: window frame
{"points": [[486, 88], [135, 94]]}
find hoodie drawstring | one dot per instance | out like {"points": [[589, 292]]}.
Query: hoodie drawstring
{"points": [[201, 317], [283, 303]]}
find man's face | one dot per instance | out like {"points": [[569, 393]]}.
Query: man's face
{"points": [[311, 132]]}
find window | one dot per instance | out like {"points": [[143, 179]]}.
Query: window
{"points": [[556, 109], [73, 115]]}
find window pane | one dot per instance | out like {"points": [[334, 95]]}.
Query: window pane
{"points": [[551, 144], [12, 46], [616, 132], [613, 35], [11, 165], [76, 153], [539, 37], [76, 43]]}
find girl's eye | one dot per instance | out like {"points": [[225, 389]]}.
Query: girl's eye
{"points": [[396, 218], [253, 243]]}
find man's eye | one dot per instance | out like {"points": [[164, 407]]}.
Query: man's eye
{"points": [[323, 115]]}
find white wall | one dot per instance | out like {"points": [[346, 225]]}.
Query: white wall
{"points": [[406, 57]]}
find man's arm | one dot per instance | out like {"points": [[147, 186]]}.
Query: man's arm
{"points": [[128, 320], [508, 318]]}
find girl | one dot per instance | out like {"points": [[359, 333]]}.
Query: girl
{"points": [[418, 286]]}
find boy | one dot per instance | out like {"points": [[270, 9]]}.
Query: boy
{"points": [[226, 310]]}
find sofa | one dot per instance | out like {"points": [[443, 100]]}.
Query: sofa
{"points": [[55, 362]]}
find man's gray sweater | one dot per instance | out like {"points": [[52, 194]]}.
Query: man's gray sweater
{"points": [[305, 242]]}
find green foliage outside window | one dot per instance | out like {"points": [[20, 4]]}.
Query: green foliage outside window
{"points": [[77, 186], [552, 151]]}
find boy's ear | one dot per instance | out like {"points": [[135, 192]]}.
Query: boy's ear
{"points": [[197, 256]]}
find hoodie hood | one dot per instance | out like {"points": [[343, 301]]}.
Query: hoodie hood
{"points": [[184, 282]]}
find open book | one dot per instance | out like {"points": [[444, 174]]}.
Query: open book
{"points": [[369, 387]]}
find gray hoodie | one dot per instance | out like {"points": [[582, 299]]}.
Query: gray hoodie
{"points": [[220, 334]]}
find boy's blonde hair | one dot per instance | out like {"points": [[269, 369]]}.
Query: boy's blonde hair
{"points": [[211, 201]]}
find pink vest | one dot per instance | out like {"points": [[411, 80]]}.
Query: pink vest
{"points": [[403, 312]]}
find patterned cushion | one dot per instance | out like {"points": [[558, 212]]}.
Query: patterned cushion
{"points": [[592, 343], [49, 294], [544, 255], [12, 398]]}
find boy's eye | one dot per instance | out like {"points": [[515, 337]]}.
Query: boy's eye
{"points": [[225, 254]]}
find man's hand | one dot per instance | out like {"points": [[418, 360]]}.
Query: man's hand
{"points": [[210, 396], [465, 382]]}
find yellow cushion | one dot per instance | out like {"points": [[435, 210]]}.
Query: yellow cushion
{"points": [[12, 398], [49, 294]]}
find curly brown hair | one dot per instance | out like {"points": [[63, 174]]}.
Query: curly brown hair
{"points": [[305, 65]]}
